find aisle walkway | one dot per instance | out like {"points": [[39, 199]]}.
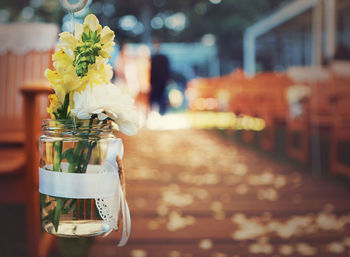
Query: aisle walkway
{"points": [[193, 193]]}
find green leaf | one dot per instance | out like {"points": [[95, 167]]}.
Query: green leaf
{"points": [[68, 155], [84, 37]]}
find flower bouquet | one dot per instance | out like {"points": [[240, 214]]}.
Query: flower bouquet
{"points": [[81, 192]]}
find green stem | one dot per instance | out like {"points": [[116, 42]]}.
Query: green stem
{"points": [[88, 156], [57, 216], [57, 167], [81, 158], [57, 146], [73, 164], [83, 162]]}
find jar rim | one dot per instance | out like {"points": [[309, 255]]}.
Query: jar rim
{"points": [[76, 126]]}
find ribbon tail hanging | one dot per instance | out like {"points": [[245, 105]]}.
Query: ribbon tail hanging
{"points": [[115, 149], [126, 220]]}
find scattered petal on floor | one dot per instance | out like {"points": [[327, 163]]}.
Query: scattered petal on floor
{"points": [[239, 169], [138, 253], [327, 221], [267, 194], [199, 179], [286, 249], [153, 225], [216, 206], [254, 227], [336, 247], [205, 244], [200, 193], [261, 247], [242, 189], [172, 196], [219, 254], [162, 210], [306, 249], [176, 221], [174, 253]]}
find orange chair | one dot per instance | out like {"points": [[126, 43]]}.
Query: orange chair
{"points": [[298, 136], [317, 117], [340, 134], [272, 108]]}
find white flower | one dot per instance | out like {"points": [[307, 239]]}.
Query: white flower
{"points": [[107, 101]]}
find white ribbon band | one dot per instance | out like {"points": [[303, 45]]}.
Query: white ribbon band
{"points": [[77, 185], [100, 182]]}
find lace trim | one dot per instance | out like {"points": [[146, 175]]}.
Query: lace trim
{"points": [[109, 207]]}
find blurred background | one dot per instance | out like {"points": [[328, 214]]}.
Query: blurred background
{"points": [[245, 107]]}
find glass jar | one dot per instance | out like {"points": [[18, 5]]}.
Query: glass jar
{"points": [[74, 147]]}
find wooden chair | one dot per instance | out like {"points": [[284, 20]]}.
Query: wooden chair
{"points": [[316, 116], [20, 124], [316, 120], [272, 108], [298, 136], [340, 134]]}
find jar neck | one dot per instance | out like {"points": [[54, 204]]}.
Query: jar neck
{"points": [[76, 127]]}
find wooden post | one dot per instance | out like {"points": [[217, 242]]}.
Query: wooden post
{"points": [[317, 34], [330, 28], [31, 93]]}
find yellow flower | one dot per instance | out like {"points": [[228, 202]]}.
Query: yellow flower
{"points": [[54, 104], [55, 81], [67, 43], [63, 81], [99, 73], [61, 61], [79, 29], [92, 23], [107, 40], [81, 60]]}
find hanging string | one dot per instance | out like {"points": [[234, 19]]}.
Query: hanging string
{"points": [[76, 7]]}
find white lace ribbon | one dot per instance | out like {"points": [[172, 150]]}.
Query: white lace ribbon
{"points": [[100, 182]]}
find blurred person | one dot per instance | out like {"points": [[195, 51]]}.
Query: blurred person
{"points": [[160, 72], [342, 52]]}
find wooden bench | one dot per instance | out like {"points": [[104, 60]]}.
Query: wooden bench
{"points": [[22, 69]]}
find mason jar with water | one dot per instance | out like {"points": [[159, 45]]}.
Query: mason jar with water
{"points": [[78, 177]]}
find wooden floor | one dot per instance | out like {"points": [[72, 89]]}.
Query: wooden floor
{"points": [[194, 193]]}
